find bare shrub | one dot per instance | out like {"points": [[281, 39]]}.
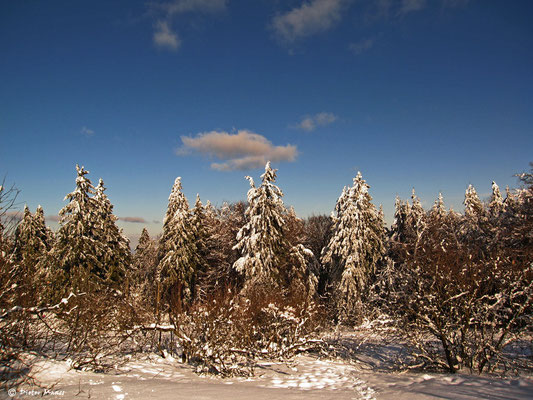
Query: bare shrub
{"points": [[226, 335]]}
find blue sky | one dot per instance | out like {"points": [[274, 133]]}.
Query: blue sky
{"points": [[427, 94]]}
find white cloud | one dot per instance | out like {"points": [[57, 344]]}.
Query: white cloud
{"points": [[309, 123], [361, 46], [241, 150], [164, 37], [309, 19], [183, 6], [86, 131], [412, 5]]}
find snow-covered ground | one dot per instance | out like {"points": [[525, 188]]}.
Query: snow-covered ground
{"points": [[306, 378]]}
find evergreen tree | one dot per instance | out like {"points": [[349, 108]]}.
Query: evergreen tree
{"points": [[356, 245], [179, 258], [76, 250], [144, 269], [144, 242], [438, 211], [416, 219], [116, 254], [31, 244], [474, 210], [45, 234], [261, 239], [399, 228], [89, 253], [496, 204]]}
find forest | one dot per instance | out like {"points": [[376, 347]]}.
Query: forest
{"points": [[223, 287]]}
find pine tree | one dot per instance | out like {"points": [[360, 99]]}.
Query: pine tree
{"points": [[116, 254], [45, 234], [356, 245], [144, 242], [31, 244], [89, 253], [416, 219], [474, 210], [438, 211], [179, 258], [399, 228], [23, 236], [144, 269], [261, 239], [496, 205]]}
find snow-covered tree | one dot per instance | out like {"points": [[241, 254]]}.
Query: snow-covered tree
{"points": [[399, 228], [474, 210], [89, 252], [496, 204], [143, 274], [116, 254], [438, 211], [261, 239], [76, 249], [416, 218], [199, 223], [356, 245], [144, 241], [31, 243], [268, 257], [179, 258]]}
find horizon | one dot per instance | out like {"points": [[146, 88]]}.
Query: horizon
{"points": [[430, 95]]}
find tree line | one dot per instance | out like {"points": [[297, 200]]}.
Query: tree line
{"points": [[457, 287]]}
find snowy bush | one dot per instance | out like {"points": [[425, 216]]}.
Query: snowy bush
{"points": [[461, 288], [227, 335]]}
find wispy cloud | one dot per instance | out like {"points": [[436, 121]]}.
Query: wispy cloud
{"points": [[54, 218], [455, 3], [86, 131], [165, 37], [310, 123], [135, 220], [408, 6], [309, 19], [361, 46], [237, 151], [182, 6]]}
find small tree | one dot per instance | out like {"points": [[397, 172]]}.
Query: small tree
{"points": [[356, 246], [76, 250], [179, 258], [116, 254]]}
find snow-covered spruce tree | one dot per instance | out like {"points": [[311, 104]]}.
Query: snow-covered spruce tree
{"points": [[267, 258], [116, 254], [474, 210], [80, 254], [496, 204], [260, 240], [144, 270], [438, 211], [356, 246], [475, 227], [200, 222], [31, 243], [44, 233], [179, 258], [399, 228]]}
